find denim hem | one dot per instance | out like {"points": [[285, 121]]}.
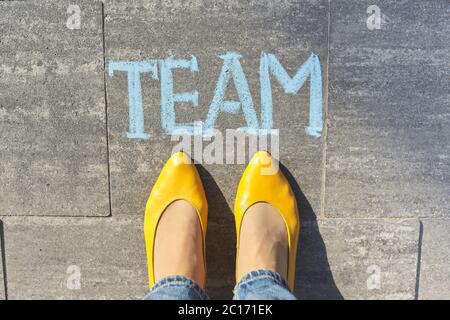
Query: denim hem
{"points": [[261, 274], [178, 280]]}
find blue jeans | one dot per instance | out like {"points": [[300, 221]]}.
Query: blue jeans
{"points": [[255, 285]]}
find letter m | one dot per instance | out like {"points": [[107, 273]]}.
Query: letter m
{"points": [[311, 68]]}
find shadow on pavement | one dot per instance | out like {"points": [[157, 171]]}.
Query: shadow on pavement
{"points": [[313, 279], [221, 241]]}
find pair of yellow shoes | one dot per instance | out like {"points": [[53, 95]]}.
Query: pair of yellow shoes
{"points": [[260, 182]]}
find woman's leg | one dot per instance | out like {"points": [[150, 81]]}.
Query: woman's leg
{"points": [[178, 255], [263, 255]]}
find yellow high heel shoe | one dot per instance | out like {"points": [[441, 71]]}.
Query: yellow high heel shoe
{"points": [[262, 181], [178, 180]]}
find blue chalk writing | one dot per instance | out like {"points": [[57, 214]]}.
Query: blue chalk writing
{"points": [[136, 110], [232, 67], [311, 67], [168, 97]]}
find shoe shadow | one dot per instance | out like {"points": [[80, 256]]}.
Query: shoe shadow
{"points": [[313, 278], [3, 261], [221, 240]]}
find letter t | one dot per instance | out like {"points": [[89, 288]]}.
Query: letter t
{"points": [[136, 110]]}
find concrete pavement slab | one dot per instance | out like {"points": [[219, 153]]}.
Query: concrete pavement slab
{"points": [[52, 109], [435, 260], [204, 32], [338, 258], [358, 259], [387, 153], [75, 258], [388, 150]]}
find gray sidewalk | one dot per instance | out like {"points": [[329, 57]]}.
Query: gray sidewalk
{"points": [[373, 188]]}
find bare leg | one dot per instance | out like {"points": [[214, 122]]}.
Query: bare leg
{"points": [[263, 241], [178, 243]]}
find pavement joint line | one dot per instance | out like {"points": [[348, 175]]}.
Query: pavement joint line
{"points": [[325, 123], [106, 107], [305, 219], [133, 217], [387, 218], [419, 260], [52, 216], [3, 258]]}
